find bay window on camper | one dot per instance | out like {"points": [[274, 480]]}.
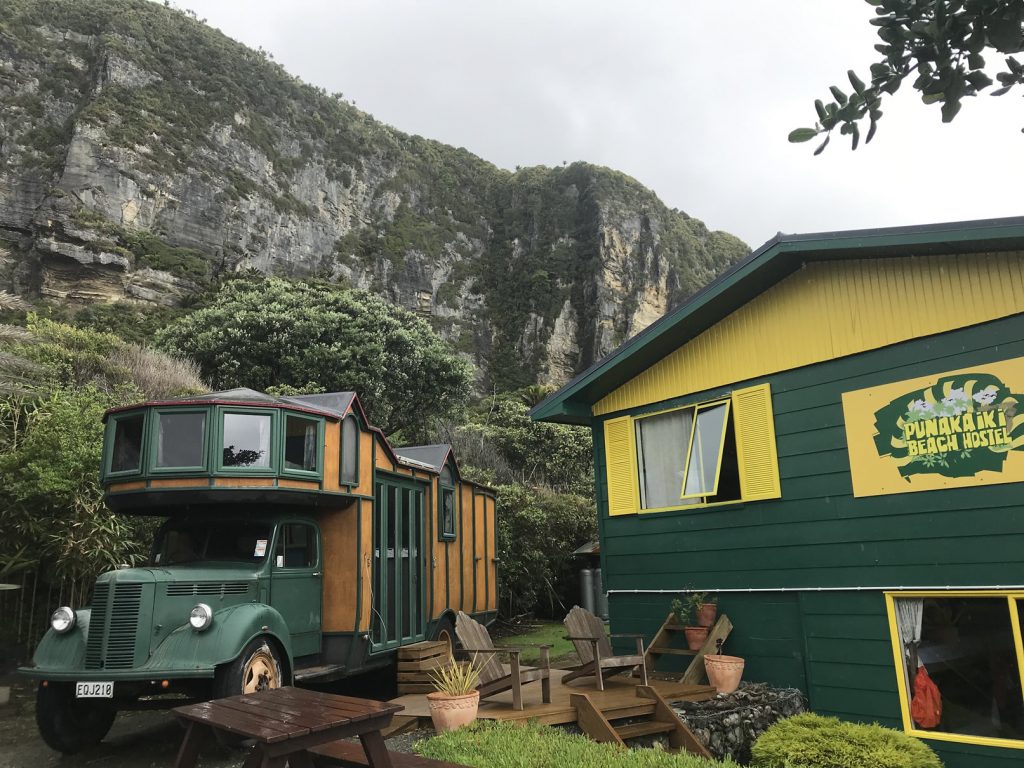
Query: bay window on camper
{"points": [[958, 658], [711, 452]]}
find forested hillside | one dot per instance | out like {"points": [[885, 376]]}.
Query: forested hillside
{"points": [[144, 156]]}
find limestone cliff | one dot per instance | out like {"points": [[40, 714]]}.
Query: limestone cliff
{"points": [[143, 155]]}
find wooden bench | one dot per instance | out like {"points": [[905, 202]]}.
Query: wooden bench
{"points": [[350, 754]]}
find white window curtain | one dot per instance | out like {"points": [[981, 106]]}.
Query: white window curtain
{"points": [[309, 448], [662, 442], [909, 616], [263, 423]]}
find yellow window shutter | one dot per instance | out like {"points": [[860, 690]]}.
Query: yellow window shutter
{"points": [[755, 443], [620, 460]]}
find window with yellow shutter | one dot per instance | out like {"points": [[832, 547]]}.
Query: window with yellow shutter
{"points": [[707, 453]]}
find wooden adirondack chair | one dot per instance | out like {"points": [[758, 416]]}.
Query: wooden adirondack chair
{"points": [[586, 632], [494, 679]]}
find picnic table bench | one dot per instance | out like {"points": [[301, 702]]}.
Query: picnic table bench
{"points": [[285, 723]]}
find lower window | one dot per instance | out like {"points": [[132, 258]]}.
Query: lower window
{"points": [[958, 664]]}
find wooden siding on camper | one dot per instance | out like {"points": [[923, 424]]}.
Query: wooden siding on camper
{"points": [[831, 309], [817, 535]]}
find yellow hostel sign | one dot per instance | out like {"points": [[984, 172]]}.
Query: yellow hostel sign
{"points": [[951, 430]]}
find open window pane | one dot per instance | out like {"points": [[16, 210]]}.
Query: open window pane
{"points": [[706, 451], [661, 442], [300, 444], [126, 454], [296, 546], [246, 440], [350, 451], [179, 441], [966, 647]]}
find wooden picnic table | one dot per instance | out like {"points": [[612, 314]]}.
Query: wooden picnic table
{"points": [[285, 722]]}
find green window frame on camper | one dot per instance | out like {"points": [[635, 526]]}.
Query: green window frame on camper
{"points": [[221, 414], [446, 491], [747, 431], [111, 443], [348, 463], [977, 661], [283, 425], [154, 419]]}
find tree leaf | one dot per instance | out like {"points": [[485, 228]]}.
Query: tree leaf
{"points": [[856, 82], [949, 110], [801, 135], [820, 108], [838, 95], [824, 144]]}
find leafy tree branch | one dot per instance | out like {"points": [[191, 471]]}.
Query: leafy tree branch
{"points": [[941, 44]]}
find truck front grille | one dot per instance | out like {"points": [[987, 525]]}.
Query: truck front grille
{"points": [[113, 626], [215, 588], [94, 645]]}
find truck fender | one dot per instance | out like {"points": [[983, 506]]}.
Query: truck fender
{"points": [[64, 651], [231, 630]]}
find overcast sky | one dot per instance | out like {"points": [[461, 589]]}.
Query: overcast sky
{"points": [[693, 99]]}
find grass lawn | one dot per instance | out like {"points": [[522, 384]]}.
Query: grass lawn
{"points": [[542, 633]]}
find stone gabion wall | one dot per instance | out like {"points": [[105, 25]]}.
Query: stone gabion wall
{"points": [[729, 724]]}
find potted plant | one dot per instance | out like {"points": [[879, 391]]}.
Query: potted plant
{"points": [[724, 672], [455, 699], [704, 608]]}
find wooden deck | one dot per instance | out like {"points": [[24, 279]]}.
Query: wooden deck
{"points": [[618, 700]]}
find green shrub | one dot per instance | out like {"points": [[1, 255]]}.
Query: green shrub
{"points": [[487, 744], [813, 741]]}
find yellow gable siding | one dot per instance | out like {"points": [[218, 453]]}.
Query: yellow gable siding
{"points": [[831, 309]]}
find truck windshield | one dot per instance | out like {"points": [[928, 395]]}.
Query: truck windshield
{"points": [[229, 541]]}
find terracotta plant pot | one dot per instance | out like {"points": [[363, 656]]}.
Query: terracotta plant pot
{"points": [[451, 712], [724, 672], [707, 614], [695, 637]]}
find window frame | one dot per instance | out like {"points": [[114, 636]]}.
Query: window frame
{"points": [[282, 438], [442, 489], [727, 402], [154, 438], [271, 470], [350, 418], [685, 502], [1012, 598], [278, 540], [111, 433]]}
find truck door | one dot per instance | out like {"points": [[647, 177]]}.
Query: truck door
{"points": [[295, 587]]}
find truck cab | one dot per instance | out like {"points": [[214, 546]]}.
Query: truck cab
{"points": [[296, 544]]}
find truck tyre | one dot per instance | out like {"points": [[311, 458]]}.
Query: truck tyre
{"points": [[445, 630], [257, 668], [67, 724]]}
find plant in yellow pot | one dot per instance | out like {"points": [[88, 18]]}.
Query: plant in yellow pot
{"points": [[455, 699]]}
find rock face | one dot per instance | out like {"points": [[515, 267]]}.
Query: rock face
{"points": [[144, 155]]}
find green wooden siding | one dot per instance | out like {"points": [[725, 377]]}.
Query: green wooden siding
{"points": [[834, 645]]}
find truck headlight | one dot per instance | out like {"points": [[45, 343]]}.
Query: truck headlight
{"points": [[62, 620], [201, 617]]}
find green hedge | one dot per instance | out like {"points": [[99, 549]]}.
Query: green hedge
{"points": [[813, 741], [487, 744]]}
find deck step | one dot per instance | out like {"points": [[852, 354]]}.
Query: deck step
{"points": [[674, 651], [635, 730]]}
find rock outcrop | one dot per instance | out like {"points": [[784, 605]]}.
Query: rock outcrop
{"points": [[144, 155]]}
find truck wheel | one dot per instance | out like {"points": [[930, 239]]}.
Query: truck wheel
{"points": [[68, 724], [257, 668], [445, 630]]}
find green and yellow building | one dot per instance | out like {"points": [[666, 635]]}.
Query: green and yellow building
{"points": [[830, 437]]}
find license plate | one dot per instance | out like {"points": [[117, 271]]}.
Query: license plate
{"points": [[94, 690]]}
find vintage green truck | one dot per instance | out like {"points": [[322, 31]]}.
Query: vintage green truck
{"points": [[297, 545]]}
